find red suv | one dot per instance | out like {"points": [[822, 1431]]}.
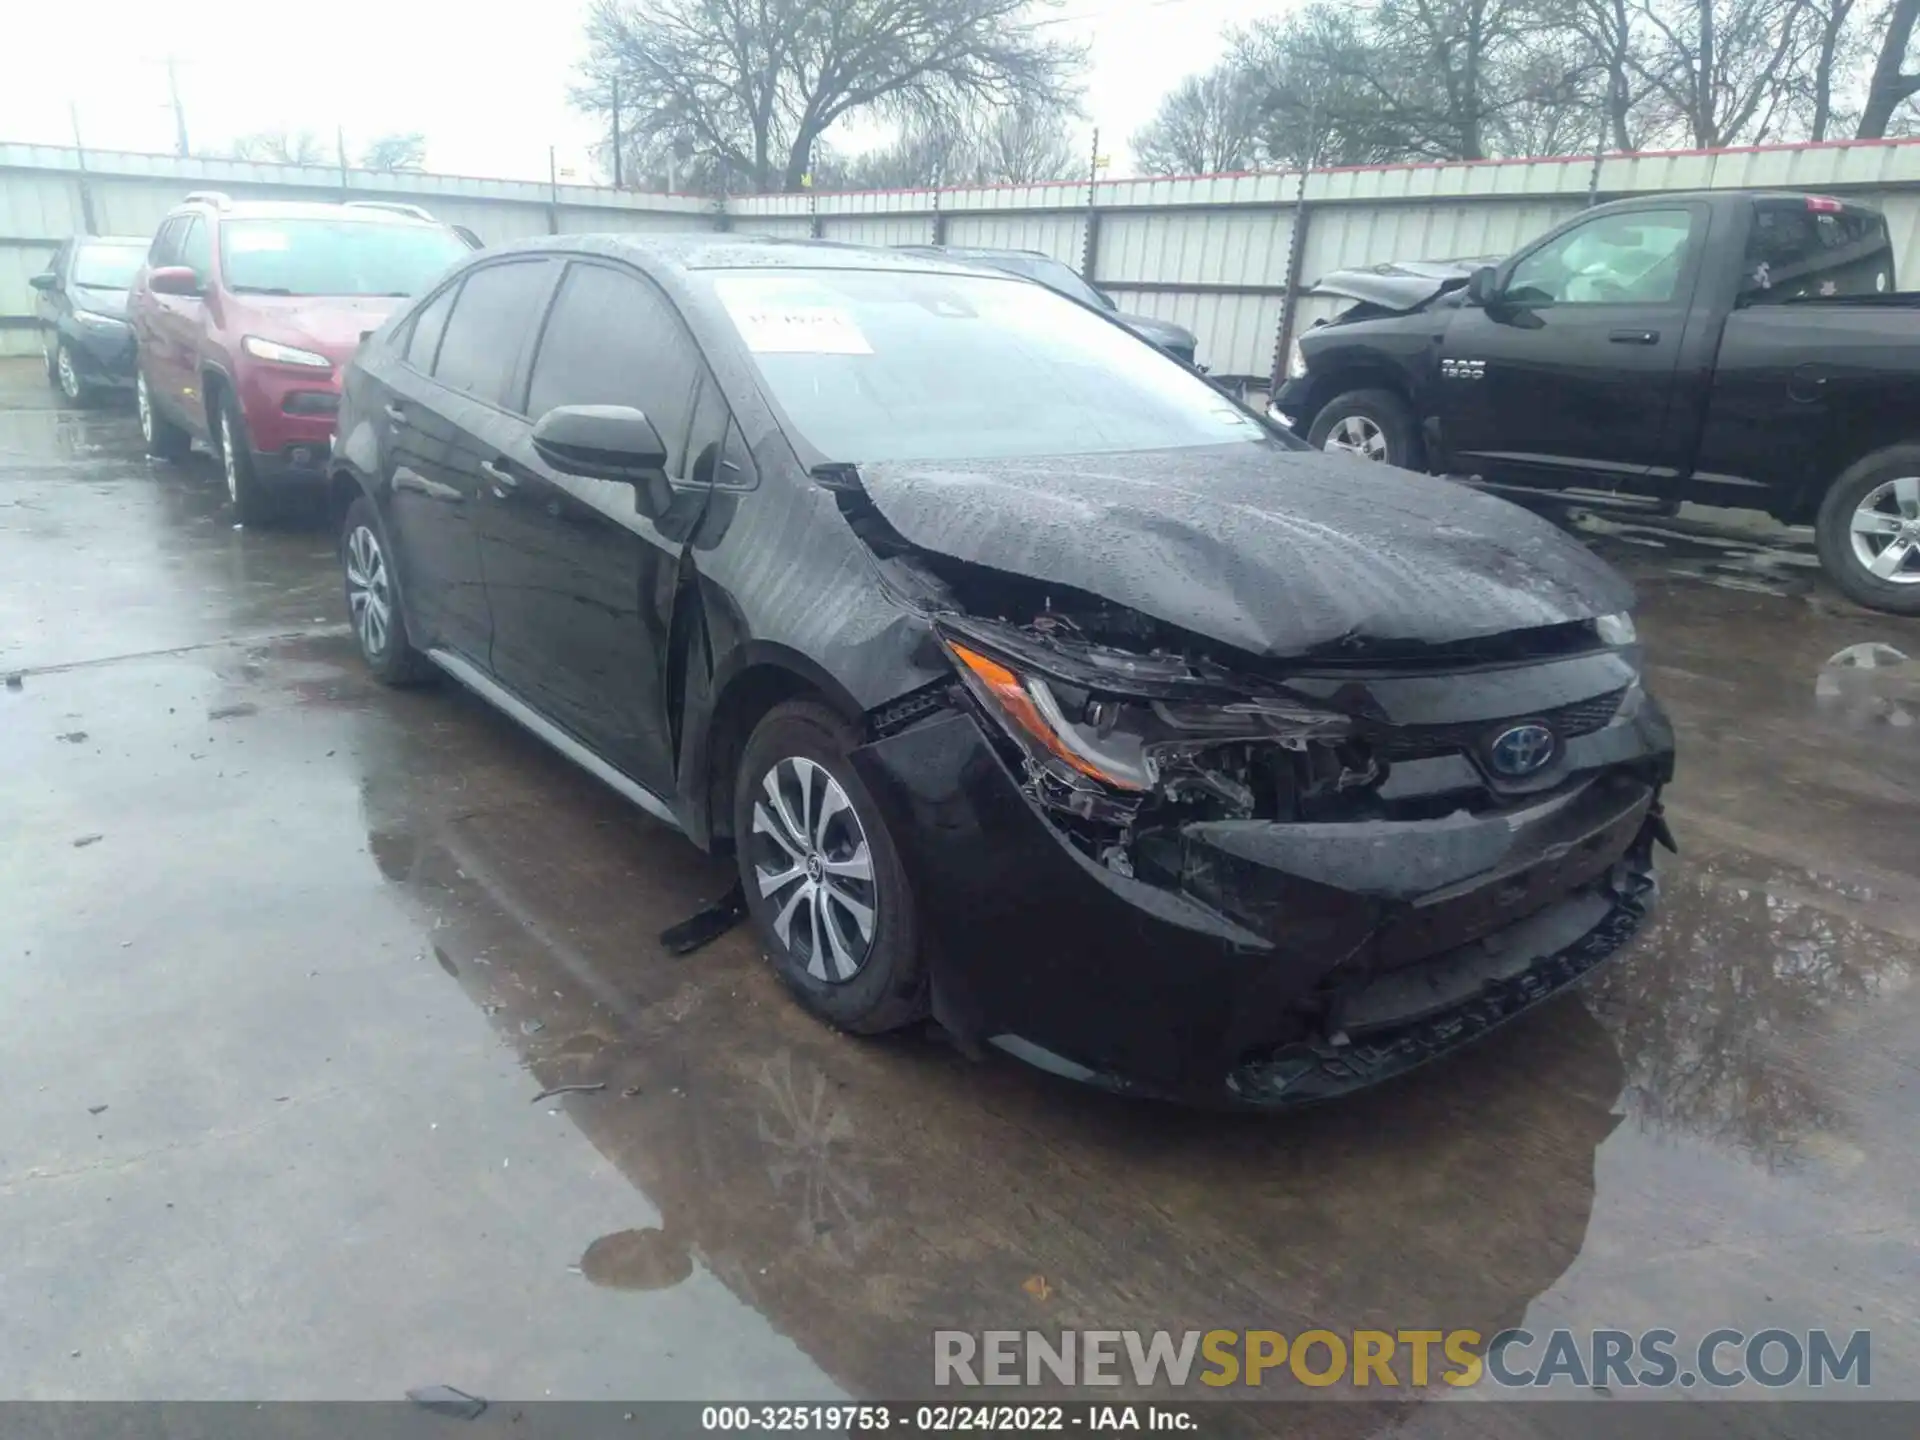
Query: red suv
{"points": [[244, 314]]}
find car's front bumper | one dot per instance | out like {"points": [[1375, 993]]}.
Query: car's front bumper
{"points": [[1289, 962], [103, 357]]}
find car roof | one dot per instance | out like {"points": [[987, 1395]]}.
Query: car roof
{"points": [[1708, 197], [141, 240], [297, 210], [980, 252], [715, 250]]}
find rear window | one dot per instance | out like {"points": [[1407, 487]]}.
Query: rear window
{"points": [[1811, 249], [334, 257], [107, 267]]}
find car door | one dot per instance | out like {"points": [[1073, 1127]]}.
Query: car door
{"points": [[462, 355], [581, 585], [144, 311], [1564, 375], [186, 319]]}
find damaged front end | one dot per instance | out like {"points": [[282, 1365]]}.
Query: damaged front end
{"points": [[1159, 864]]}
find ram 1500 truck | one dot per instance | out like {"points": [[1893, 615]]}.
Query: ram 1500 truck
{"points": [[1727, 348]]}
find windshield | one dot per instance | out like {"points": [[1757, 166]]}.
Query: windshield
{"points": [[334, 257], [107, 267], [1053, 275], [885, 365]]}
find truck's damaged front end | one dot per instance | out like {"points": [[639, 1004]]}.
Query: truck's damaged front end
{"points": [[1152, 861]]}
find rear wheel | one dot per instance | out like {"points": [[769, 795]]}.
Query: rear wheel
{"points": [[164, 439], [373, 599], [823, 880], [1868, 531], [1373, 425]]}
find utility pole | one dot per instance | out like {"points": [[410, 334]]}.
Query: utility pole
{"points": [[179, 110], [617, 175], [86, 185]]}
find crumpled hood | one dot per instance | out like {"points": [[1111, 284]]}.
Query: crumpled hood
{"points": [[1272, 550], [1398, 285], [332, 326]]}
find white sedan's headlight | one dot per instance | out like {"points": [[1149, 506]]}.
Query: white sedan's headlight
{"points": [[1616, 630], [284, 354], [92, 320]]}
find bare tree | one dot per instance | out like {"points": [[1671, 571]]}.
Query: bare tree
{"points": [[1027, 143], [1729, 68], [298, 148], [754, 85], [1208, 124], [1318, 81], [396, 152], [1891, 85]]}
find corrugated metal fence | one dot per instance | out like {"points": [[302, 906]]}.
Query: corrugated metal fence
{"points": [[1221, 254]]}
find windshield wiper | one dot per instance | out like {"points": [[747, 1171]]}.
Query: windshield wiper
{"points": [[259, 290]]}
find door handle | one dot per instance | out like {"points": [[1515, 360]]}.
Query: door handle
{"points": [[1635, 337], [503, 482], [396, 414]]}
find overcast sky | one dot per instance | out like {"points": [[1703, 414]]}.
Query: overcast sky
{"points": [[489, 96]]}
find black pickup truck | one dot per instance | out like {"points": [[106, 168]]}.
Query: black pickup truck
{"points": [[1726, 348]]}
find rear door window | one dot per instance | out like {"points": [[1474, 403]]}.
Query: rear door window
{"points": [[480, 349], [612, 340], [423, 341], [196, 248], [1813, 249], [166, 242]]}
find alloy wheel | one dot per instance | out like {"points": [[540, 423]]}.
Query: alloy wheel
{"points": [[369, 595], [144, 403], [227, 461], [1359, 436], [69, 377], [811, 861], [1886, 531]]}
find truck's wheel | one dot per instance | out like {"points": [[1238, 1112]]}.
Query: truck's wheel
{"points": [[1371, 425], [1868, 531]]}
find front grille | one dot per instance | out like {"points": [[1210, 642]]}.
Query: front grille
{"points": [[1583, 717]]}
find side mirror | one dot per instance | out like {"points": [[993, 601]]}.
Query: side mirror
{"points": [[1480, 289], [44, 281], [605, 442], [174, 280]]}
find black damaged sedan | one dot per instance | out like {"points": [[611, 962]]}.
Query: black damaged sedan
{"points": [[1037, 687]]}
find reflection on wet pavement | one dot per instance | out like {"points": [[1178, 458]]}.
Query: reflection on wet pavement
{"points": [[333, 939]]}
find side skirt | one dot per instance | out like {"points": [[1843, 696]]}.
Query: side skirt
{"points": [[504, 700]]}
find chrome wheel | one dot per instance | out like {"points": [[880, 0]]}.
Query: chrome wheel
{"points": [[227, 461], [1357, 435], [143, 402], [69, 377], [1886, 531], [811, 861], [369, 595]]}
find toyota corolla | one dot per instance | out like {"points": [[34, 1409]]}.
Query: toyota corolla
{"points": [[1035, 685]]}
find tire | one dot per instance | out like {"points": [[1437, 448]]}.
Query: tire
{"points": [[164, 439], [1377, 419], [1881, 492], [47, 342], [371, 577], [67, 378], [251, 505], [886, 985]]}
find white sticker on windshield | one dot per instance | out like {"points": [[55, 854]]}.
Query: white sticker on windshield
{"points": [[775, 329], [242, 241]]}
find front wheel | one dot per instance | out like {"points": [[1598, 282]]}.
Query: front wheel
{"points": [[1868, 531], [73, 386], [164, 439], [1373, 425], [249, 501], [823, 880]]}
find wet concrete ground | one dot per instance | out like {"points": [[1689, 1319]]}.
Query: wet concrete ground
{"points": [[284, 957]]}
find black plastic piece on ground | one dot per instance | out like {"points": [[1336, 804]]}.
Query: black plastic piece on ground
{"points": [[704, 927], [445, 1400]]}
